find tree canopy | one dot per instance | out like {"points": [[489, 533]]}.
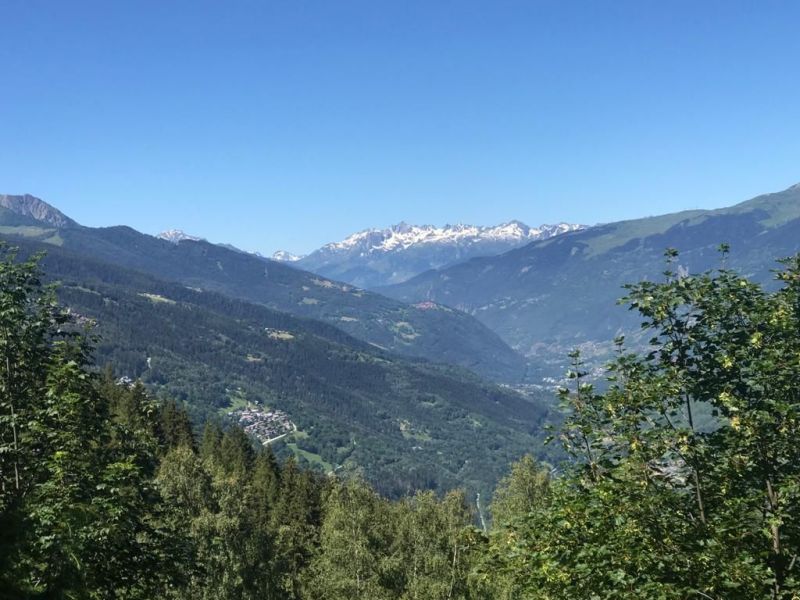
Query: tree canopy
{"points": [[686, 467]]}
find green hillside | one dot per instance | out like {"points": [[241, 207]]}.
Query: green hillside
{"points": [[433, 332], [404, 424], [550, 296]]}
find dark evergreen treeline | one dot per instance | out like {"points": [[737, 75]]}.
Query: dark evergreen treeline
{"points": [[108, 494]]}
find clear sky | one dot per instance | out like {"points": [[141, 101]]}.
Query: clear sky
{"points": [[288, 124]]}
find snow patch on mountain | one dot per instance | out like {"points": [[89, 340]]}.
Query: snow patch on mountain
{"points": [[175, 236], [404, 236], [377, 257], [283, 256]]}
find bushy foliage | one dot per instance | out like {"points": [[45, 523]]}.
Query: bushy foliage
{"points": [[78, 513], [687, 468]]}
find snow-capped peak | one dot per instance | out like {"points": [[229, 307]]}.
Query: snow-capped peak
{"points": [[378, 257], [177, 235], [403, 236], [283, 256]]}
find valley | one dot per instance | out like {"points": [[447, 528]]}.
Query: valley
{"points": [[399, 300], [352, 399], [206, 304]]}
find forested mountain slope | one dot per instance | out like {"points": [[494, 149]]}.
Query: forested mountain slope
{"points": [[424, 330], [403, 423], [554, 294]]}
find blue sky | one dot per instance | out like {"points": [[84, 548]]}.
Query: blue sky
{"points": [[290, 124]]}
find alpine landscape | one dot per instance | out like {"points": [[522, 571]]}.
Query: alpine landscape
{"points": [[273, 325]]}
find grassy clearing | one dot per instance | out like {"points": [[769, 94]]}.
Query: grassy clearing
{"points": [[314, 459], [28, 231], [156, 299]]}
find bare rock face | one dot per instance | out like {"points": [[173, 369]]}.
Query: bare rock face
{"points": [[33, 207]]}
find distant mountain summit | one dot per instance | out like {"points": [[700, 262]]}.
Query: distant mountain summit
{"points": [[403, 236], [376, 257], [31, 207], [283, 256], [175, 236]]}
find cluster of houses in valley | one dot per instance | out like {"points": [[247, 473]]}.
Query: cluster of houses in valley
{"points": [[265, 425]]}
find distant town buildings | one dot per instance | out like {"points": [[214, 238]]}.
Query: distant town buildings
{"points": [[265, 425]]}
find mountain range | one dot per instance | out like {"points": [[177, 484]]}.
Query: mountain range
{"points": [[377, 257], [425, 330], [552, 295], [364, 374], [175, 316]]}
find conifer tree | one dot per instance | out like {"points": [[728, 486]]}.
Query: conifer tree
{"points": [[77, 513]]}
